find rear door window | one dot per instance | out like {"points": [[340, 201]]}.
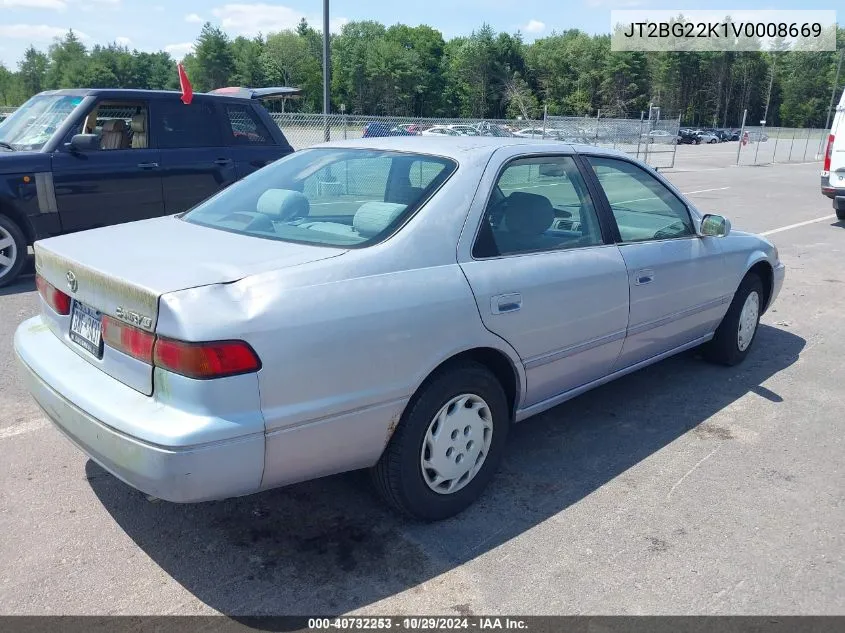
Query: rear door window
{"points": [[177, 125], [243, 127]]}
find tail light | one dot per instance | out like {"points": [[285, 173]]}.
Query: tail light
{"points": [[828, 153], [205, 360], [55, 298], [202, 361], [129, 340]]}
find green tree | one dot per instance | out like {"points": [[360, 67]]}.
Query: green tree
{"points": [[288, 60], [213, 61], [33, 71], [249, 62], [68, 61]]}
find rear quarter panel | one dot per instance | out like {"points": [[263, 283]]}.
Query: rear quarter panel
{"points": [[345, 342]]}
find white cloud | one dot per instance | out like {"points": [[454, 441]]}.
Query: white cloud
{"points": [[34, 4], [193, 18], [252, 19], [180, 50], [36, 32], [123, 41], [534, 26]]}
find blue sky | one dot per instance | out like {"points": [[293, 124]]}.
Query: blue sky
{"points": [[160, 24]]}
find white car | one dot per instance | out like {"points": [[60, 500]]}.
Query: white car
{"points": [[533, 132], [440, 130], [399, 320], [464, 130], [833, 169]]}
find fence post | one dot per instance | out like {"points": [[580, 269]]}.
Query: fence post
{"points": [[807, 144], [640, 133], [775, 153], [791, 143], [675, 144], [741, 135], [545, 116], [598, 122], [759, 142], [648, 135]]}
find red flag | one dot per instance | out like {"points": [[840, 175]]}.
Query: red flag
{"points": [[185, 85]]}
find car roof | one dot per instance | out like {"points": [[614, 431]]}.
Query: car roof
{"points": [[464, 147], [132, 93]]}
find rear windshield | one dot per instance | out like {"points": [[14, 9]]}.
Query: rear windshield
{"points": [[327, 196]]}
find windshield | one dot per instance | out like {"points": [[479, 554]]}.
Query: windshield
{"points": [[327, 196], [31, 126]]}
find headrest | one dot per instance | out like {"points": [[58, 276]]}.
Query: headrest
{"points": [[528, 213], [139, 123], [372, 218], [283, 204], [114, 125]]}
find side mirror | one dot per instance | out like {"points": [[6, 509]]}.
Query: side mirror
{"points": [[84, 143], [715, 226]]}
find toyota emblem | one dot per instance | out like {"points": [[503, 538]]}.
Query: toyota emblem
{"points": [[72, 284]]}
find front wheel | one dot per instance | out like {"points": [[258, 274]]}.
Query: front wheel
{"points": [[738, 328], [12, 251], [447, 445], [840, 214]]}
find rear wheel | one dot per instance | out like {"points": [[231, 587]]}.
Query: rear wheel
{"points": [[12, 251], [840, 214], [738, 328], [447, 446]]}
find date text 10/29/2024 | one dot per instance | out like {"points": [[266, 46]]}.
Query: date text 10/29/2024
{"points": [[416, 623]]}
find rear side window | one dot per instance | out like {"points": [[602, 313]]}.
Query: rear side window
{"points": [[327, 196], [244, 127], [178, 125]]}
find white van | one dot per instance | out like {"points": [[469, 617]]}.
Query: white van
{"points": [[833, 171]]}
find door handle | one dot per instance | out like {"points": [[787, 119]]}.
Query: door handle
{"points": [[643, 277], [147, 165], [223, 162], [506, 303]]}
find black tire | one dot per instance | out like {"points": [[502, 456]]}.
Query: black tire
{"points": [[724, 347], [840, 214], [8, 275], [398, 475]]}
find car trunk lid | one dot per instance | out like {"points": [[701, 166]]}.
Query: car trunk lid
{"points": [[123, 270]]}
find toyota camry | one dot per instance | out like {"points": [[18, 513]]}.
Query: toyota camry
{"points": [[391, 303]]}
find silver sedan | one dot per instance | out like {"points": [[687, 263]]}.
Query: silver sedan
{"points": [[390, 304]]}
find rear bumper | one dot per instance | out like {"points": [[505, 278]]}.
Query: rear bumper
{"points": [[178, 472]]}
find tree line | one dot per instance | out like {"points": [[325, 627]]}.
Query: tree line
{"points": [[405, 70]]}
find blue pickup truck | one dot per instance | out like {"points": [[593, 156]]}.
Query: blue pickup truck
{"points": [[72, 160]]}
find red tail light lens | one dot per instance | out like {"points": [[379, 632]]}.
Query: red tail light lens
{"points": [[205, 360], [828, 153], [129, 340], [55, 298]]}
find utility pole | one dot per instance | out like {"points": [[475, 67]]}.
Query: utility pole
{"points": [[327, 69], [769, 95], [835, 86]]}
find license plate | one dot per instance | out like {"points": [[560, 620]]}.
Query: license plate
{"points": [[86, 328]]}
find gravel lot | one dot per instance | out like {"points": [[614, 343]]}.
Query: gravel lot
{"points": [[684, 488]]}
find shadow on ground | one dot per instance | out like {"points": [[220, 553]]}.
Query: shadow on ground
{"points": [[24, 283], [329, 546]]}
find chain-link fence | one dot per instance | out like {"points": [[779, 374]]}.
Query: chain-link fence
{"points": [[765, 146], [652, 140]]}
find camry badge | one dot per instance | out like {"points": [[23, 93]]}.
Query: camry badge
{"points": [[72, 283]]}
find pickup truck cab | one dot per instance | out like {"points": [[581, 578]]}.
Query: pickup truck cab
{"points": [[72, 160], [833, 169]]}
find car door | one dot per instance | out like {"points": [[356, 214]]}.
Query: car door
{"points": [[121, 181], [676, 277], [195, 162], [544, 277], [250, 142]]}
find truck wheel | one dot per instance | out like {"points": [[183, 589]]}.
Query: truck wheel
{"points": [[447, 446], [840, 214], [12, 251]]}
